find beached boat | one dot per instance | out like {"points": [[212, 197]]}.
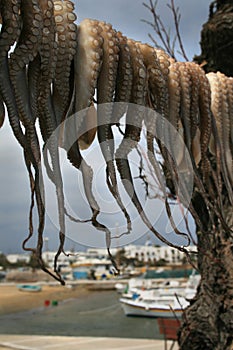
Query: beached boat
{"points": [[161, 306], [29, 287]]}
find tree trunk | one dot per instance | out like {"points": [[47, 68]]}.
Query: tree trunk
{"points": [[208, 321], [217, 39]]}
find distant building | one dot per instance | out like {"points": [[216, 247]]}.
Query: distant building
{"points": [[144, 253], [18, 258], [148, 253]]}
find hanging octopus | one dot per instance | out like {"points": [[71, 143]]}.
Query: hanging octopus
{"points": [[89, 75]]}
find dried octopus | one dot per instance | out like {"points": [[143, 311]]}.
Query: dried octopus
{"points": [[91, 75]]}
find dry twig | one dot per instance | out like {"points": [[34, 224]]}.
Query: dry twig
{"points": [[164, 35]]}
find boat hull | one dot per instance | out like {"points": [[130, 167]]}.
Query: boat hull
{"points": [[135, 309]]}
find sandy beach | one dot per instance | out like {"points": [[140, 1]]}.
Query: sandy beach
{"points": [[13, 300]]}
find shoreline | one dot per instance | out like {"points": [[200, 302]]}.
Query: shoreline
{"points": [[12, 300], [80, 313]]}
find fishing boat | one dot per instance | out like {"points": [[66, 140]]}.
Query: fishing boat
{"points": [[29, 288], [148, 306]]}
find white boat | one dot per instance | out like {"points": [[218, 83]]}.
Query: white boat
{"points": [[166, 288], [29, 287], [161, 306]]}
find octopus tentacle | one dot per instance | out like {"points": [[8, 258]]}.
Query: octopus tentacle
{"points": [[206, 128], [156, 98], [175, 91], [124, 80], [174, 151], [219, 108], [156, 81], [105, 91], [205, 117], [225, 121], [47, 118], [132, 132], [164, 63], [185, 83], [33, 77], [87, 64], [105, 96], [230, 102], [194, 93], [48, 57], [158, 95], [25, 51], [194, 111], [10, 32], [88, 54], [2, 111], [67, 43], [134, 119], [89, 50], [87, 173]]}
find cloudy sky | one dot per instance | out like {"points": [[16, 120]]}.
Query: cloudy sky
{"points": [[126, 16]]}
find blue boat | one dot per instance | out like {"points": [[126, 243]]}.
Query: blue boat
{"points": [[29, 288]]}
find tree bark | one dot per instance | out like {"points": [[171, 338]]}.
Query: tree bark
{"points": [[217, 39], [208, 321]]}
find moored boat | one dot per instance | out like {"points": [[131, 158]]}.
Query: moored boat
{"points": [[161, 306]]}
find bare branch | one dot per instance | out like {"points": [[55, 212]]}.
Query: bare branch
{"points": [[177, 17], [163, 33], [159, 28]]}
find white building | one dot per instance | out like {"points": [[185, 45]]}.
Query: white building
{"points": [[149, 253], [18, 258], [144, 253]]}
